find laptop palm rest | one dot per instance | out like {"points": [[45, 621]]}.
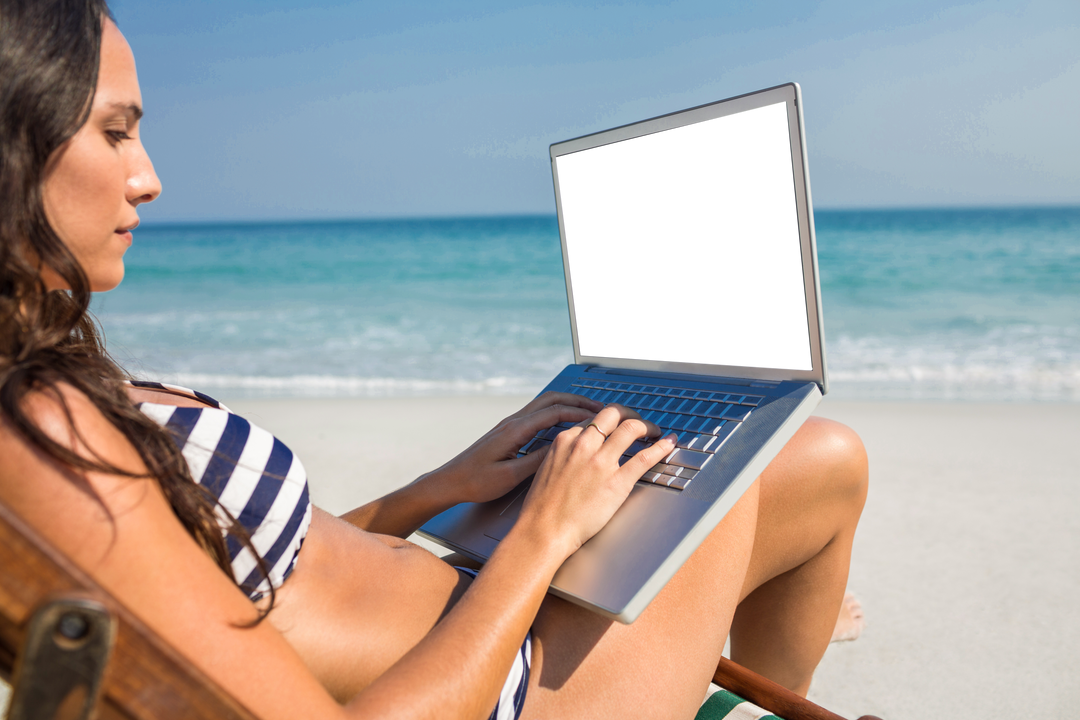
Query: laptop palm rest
{"points": [[501, 526], [610, 567]]}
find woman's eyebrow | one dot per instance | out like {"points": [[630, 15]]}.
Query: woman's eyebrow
{"points": [[131, 109]]}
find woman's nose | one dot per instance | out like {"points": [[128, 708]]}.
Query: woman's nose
{"points": [[143, 185]]}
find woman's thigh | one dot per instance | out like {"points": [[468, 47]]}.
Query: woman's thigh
{"points": [[585, 666]]}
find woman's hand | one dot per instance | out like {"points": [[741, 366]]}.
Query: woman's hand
{"points": [[581, 483], [490, 468], [487, 470]]}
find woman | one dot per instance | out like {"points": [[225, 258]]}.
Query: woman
{"points": [[353, 621]]}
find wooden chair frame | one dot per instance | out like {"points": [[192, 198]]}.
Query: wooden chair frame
{"points": [[145, 679]]}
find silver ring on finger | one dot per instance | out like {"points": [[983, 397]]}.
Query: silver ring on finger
{"points": [[594, 425]]}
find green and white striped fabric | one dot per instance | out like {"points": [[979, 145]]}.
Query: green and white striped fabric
{"points": [[723, 705]]}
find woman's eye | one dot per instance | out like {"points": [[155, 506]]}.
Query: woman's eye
{"points": [[117, 135]]}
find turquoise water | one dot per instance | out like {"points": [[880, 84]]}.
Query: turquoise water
{"points": [[943, 304]]}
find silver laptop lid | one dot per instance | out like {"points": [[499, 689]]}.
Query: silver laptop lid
{"points": [[688, 242]]}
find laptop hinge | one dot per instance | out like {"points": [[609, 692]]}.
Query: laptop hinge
{"points": [[744, 382]]}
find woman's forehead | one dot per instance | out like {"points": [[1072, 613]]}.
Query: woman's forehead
{"points": [[118, 83]]}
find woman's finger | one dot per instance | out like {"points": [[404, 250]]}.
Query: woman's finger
{"points": [[523, 467], [642, 461], [549, 416], [558, 398], [611, 419], [627, 432]]}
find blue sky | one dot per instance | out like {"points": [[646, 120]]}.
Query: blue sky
{"points": [[271, 109]]}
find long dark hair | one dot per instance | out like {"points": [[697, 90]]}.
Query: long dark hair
{"points": [[49, 58]]}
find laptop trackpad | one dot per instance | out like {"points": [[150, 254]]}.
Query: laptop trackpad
{"points": [[501, 525]]}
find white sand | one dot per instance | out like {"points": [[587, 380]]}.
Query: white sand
{"points": [[967, 560], [968, 564]]}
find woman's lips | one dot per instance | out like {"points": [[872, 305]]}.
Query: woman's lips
{"points": [[125, 231]]}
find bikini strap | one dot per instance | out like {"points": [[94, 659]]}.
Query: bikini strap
{"points": [[178, 390]]}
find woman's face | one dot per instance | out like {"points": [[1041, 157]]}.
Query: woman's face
{"points": [[97, 178]]}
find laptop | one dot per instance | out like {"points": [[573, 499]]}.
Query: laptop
{"points": [[691, 274]]}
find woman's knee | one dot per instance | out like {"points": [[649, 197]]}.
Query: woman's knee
{"points": [[839, 454]]}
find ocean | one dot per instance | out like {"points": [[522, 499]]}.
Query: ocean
{"points": [[952, 305]]}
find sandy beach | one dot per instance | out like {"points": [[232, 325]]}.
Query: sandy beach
{"points": [[967, 559]]}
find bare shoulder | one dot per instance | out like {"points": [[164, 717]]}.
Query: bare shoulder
{"points": [[67, 416], [72, 507]]}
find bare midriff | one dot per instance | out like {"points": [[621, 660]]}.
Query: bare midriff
{"points": [[356, 602]]}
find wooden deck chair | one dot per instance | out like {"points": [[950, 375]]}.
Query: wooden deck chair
{"points": [[71, 651]]}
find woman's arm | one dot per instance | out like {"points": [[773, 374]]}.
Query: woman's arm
{"points": [[123, 532], [574, 494], [487, 470]]}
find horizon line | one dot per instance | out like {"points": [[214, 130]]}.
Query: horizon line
{"points": [[329, 220]]}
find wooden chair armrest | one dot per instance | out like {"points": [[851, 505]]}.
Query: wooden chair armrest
{"points": [[146, 679], [775, 698]]}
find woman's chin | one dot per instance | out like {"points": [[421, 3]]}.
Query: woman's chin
{"points": [[106, 282]]}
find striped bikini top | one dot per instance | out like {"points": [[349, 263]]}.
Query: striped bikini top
{"points": [[253, 476]]}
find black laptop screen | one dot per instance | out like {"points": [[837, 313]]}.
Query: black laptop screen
{"points": [[683, 245]]}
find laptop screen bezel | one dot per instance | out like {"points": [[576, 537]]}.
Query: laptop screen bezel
{"points": [[791, 95]]}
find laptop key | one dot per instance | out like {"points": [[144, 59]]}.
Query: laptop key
{"points": [[687, 408], [674, 404], [710, 426], [680, 483], [680, 422], [687, 458], [699, 407], [686, 439], [716, 410], [738, 414], [699, 442], [535, 444], [721, 437]]}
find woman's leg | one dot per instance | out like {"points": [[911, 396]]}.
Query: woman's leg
{"points": [[789, 537], [798, 572]]}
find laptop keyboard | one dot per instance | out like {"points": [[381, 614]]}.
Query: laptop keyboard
{"points": [[703, 421]]}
